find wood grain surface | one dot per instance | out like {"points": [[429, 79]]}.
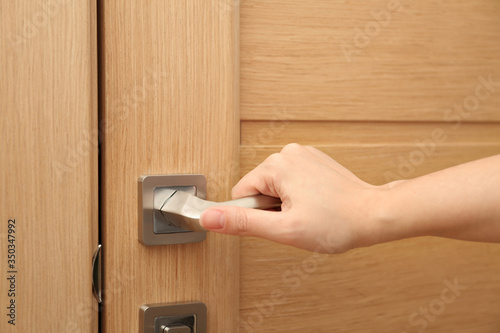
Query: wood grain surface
{"points": [[403, 102], [170, 99], [279, 132], [48, 164], [367, 60], [373, 289], [370, 290]]}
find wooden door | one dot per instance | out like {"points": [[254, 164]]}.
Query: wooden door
{"points": [[214, 86], [48, 165], [170, 99]]}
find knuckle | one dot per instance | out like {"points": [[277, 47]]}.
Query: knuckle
{"points": [[234, 192], [291, 147]]}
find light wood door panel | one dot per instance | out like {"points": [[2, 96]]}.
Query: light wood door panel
{"points": [[377, 289], [170, 97], [369, 290], [279, 132], [415, 63], [48, 164], [386, 111]]}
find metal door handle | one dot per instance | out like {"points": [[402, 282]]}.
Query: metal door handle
{"points": [[170, 207], [184, 209]]}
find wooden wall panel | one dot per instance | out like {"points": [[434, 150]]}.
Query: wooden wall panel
{"points": [[170, 99], [416, 62], [309, 74], [280, 132], [370, 290], [373, 289], [48, 164]]}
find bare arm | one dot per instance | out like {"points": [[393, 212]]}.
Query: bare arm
{"points": [[327, 208], [461, 202]]}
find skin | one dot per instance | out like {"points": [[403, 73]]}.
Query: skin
{"points": [[327, 209]]}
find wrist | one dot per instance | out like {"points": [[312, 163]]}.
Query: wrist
{"points": [[389, 219]]}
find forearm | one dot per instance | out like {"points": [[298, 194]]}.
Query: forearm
{"points": [[325, 203], [462, 202]]}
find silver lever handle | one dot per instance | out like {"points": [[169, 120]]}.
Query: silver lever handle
{"points": [[184, 209]]}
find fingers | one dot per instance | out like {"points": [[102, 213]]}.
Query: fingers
{"points": [[260, 180], [268, 177], [247, 222]]}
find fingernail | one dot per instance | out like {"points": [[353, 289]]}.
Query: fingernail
{"points": [[213, 219]]}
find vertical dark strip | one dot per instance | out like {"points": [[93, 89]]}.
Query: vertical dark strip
{"points": [[100, 113]]}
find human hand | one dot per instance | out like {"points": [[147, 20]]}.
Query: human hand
{"points": [[326, 208]]}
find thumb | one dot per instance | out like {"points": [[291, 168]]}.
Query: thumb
{"points": [[244, 221]]}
